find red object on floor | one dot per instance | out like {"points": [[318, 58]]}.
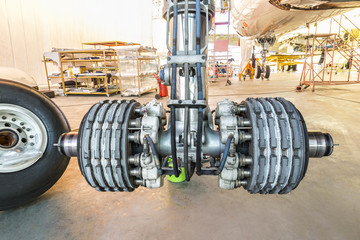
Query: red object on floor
{"points": [[163, 91]]}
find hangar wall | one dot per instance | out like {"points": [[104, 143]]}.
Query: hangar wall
{"points": [[28, 28]]}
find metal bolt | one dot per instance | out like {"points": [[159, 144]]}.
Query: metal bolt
{"points": [[245, 160], [244, 122], [138, 111], [135, 123], [134, 137], [242, 173], [240, 183], [136, 172], [139, 182], [245, 136], [134, 159], [241, 108]]}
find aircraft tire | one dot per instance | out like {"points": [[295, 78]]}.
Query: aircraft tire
{"points": [[34, 123], [258, 72], [267, 72]]}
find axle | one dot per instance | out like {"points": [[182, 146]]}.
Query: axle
{"points": [[320, 145]]}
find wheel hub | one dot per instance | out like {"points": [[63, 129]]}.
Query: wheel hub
{"points": [[8, 138], [23, 138]]}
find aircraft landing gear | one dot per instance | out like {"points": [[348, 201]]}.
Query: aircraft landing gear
{"points": [[30, 124], [262, 73], [266, 42]]}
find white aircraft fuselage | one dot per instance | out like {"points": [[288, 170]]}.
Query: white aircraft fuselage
{"points": [[255, 18]]}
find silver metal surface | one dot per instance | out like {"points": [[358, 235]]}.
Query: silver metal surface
{"points": [[23, 138], [189, 59], [228, 177], [320, 144], [149, 172], [67, 144]]}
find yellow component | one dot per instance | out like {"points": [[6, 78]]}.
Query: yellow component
{"points": [[174, 179], [249, 70]]}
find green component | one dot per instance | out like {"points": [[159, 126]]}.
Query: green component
{"points": [[174, 179]]}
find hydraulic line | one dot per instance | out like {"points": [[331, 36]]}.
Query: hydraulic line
{"points": [[153, 149], [187, 90], [200, 91], [173, 96], [226, 152]]}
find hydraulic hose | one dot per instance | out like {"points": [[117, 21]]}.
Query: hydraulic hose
{"points": [[187, 97], [198, 35], [153, 149], [226, 152], [200, 91], [173, 142], [173, 96], [199, 142]]}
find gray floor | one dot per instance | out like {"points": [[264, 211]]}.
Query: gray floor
{"points": [[326, 205]]}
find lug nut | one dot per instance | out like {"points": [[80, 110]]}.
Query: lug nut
{"points": [[135, 123], [242, 173], [134, 159], [139, 111], [139, 182], [245, 136], [135, 172], [245, 160], [240, 183], [241, 108], [244, 122], [134, 137]]}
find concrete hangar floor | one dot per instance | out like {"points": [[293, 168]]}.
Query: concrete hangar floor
{"points": [[324, 206]]}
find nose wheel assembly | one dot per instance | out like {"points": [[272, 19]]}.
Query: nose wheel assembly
{"points": [[260, 144], [268, 151]]}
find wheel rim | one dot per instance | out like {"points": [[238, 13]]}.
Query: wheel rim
{"points": [[23, 138]]}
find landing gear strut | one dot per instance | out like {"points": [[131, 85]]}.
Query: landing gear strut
{"points": [[263, 72]]}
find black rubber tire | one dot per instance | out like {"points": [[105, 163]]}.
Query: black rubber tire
{"points": [[294, 67], [267, 72], [258, 72], [21, 187], [103, 137], [279, 146]]}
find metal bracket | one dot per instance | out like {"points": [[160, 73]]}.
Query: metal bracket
{"points": [[187, 103], [190, 59]]}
